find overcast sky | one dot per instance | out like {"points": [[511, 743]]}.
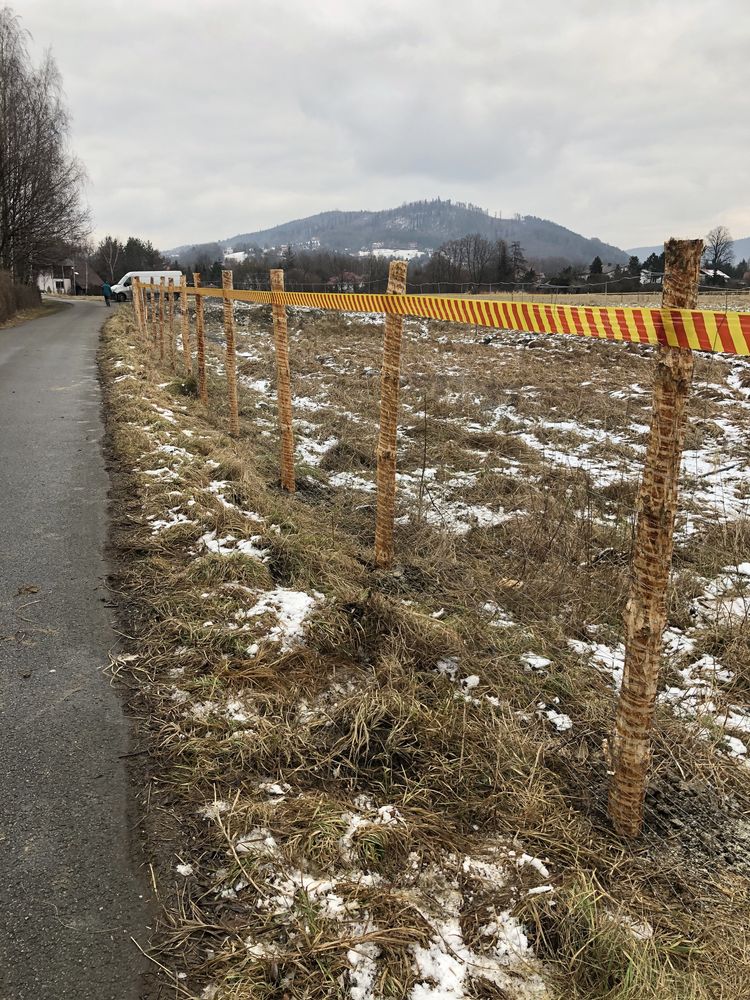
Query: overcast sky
{"points": [[198, 120]]}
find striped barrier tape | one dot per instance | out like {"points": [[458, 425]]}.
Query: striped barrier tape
{"points": [[692, 329]]}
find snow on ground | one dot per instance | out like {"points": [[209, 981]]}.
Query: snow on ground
{"points": [[229, 545], [446, 967], [697, 688], [285, 612]]}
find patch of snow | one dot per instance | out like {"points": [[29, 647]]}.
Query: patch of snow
{"points": [[231, 546], [289, 608], [311, 452], [532, 661]]}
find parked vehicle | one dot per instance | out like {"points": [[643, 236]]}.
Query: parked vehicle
{"points": [[123, 290]]}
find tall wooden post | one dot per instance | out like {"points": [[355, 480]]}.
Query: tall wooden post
{"points": [[150, 312], [646, 609], [170, 310], [387, 444], [283, 383], [185, 326], [142, 305], [231, 355], [136, 291], [200, 341], [162, 286]]}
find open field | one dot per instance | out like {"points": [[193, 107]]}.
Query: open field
{"points": [[717, 299], [367, 784]]}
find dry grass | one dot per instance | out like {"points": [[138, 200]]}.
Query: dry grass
{"points": [[719, 299], [33, 312], [408, 694]]}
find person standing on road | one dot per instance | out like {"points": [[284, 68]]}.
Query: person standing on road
{"points": [[107, 292]]}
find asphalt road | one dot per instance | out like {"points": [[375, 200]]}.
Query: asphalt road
{"points": [[71, 893]]}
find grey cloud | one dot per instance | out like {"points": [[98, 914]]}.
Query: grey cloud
{"points": [[198, 120]]}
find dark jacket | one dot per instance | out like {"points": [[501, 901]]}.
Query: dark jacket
{"points": [[107, 290]]}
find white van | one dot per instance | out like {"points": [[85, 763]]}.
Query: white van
{"points": [[123, 289]]}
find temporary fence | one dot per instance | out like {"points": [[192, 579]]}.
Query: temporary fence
{"points": [[677, 329], [690, 329]]}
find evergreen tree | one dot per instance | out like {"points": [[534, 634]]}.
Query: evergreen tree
{"points": [[518, 262]]}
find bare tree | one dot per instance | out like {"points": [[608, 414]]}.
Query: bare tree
{"points": [[719, 249], [478, 254], [41, 211], [107, 254]]}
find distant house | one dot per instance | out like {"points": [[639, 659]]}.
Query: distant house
{"points": [[651, 277], [72, 276], [715, 274]]}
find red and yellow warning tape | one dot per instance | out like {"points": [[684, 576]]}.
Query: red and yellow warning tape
{"points": [[694, 329]]}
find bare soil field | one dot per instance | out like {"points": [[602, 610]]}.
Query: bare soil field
{"points": [[365, 784]]}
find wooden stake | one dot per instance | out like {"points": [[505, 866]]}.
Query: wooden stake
{"points": [[200, 340], [185, 326], [170, 308], [389, 393], [162, 285], [283, 384], [231, 356], [136, 290], [646, 609], [152, 313], [142, 307]]}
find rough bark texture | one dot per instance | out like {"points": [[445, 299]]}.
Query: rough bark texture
{"points": [[389, 392], [185, 326], [170, 311], [200, 339], [142, 307], [283, 384], [646, 609], [138, 304], [231, 358], [161, 317], [151, 312]]}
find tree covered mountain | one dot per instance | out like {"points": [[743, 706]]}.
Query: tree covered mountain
{"points": [[424, 225]]}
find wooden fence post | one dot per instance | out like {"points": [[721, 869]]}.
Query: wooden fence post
{"points": [[387, 443], [231, 355], [283, 383], [185, 326], [142, 307], [162, 285], [200, 341], [154, 317], [136, 291], [170, 311], [149, 299], [646, 609]]}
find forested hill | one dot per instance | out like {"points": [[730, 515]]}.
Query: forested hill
{"points": [[425, 225]]}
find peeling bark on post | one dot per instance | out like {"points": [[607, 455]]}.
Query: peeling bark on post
{"points": [[200, 341], [170, 311], [231, 356], [646, 609], [389, 394], [185, 326], [162, 285], [283, 384]]}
